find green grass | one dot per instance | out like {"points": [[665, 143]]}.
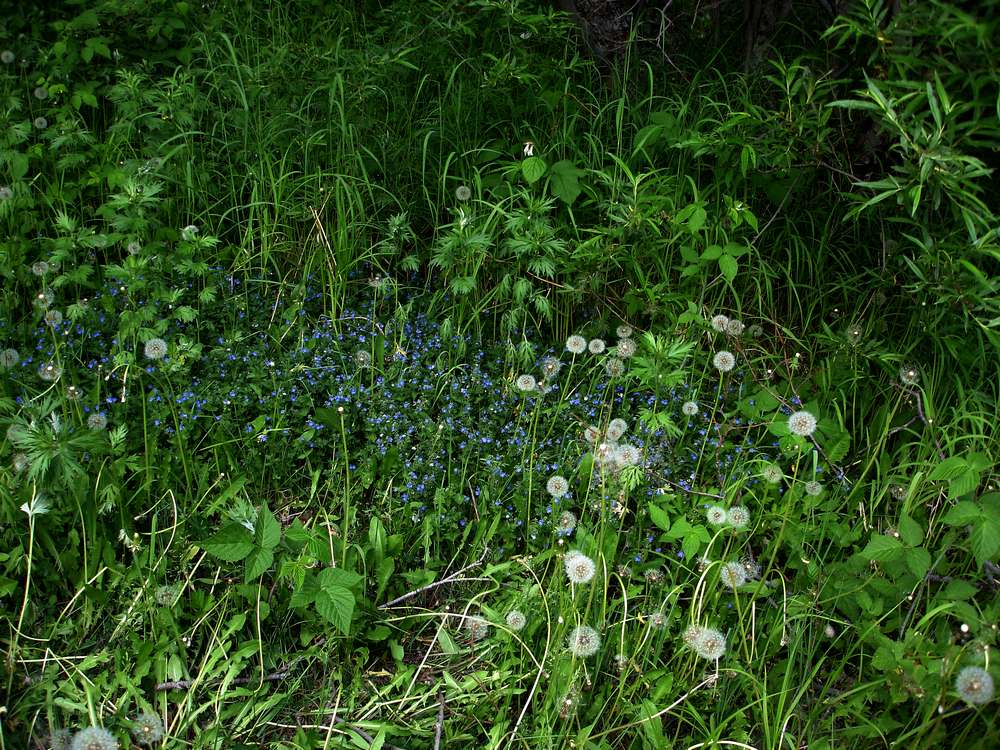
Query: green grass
{"points": [[306, 526]]}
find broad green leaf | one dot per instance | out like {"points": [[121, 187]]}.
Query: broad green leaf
{"points": [[838, 446], [258, 561], [948, 469], [659, 517], [533, 168], [336, 605], [881, 548], [918, 560], [910, 531], [729, 266], [985, 540], [230, 543], [268, 529], [564, 179], [963, 484], [963, 513]]}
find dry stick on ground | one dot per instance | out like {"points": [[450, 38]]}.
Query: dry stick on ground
{"points": [[449, 579], [440, 721]]}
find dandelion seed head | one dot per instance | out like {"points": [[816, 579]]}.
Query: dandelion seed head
{"points": [[49, 372], [724, 361], [9, 358], [60, 739], [596, 346], [7, 57], [165, 596], [691, 635], [5, 193], [690, 408], [735, 328], [44, 299], [814, 488], [40, 123], [974, 685], [802, 423], [628, 455], [719, 323], [583, 642], [53, 318], [97, 421], [516, 620], [463, 193], [155, 348], [624, 331], [614, 367], [20, 462], [147, 728], [854, 334], [576, 344], [566, 522], [94, 738], [733, 575], [626, 348], [710, 644], [526, 383], [591, 434], [653, 576], [39, 268], [616, 428], [738, 516], [551, 367], [657, 621], [579, 568], [772, 474], [41, 93], [909, 374], [716, 515], [557, 486], [477, 628]]}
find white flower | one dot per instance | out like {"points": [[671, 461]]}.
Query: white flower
{"points": [[626, 348], [738, 516], [579, 568], [596, 346], [628, 455], [802, 423], [576, 344], [155, 348], [529, 148], [975, 685], [566, 522], [724, 361], [733, 575], [463, 193], [557, 486], [624, 331], [710, 644], [616, 428], [690, 408], [526, 383], [719, 323], [716, 515], [516, 620], [583, 642]]}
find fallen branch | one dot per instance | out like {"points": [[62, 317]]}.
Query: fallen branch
{"points": [[449, 579]]}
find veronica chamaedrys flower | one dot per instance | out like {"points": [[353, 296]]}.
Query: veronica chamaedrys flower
{"points": [[557, 486], [724, 361], [719, 323], [583, 642], [516, 620], [738, 516], [526, 383], [690, 408], [974, 685], [580, 569], [147, 728], [576, 344], [94, 738], [733, 575], [802, 423], [715, 515]]}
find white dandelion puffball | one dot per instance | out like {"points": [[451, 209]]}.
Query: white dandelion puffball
{"points": [[97, 421], [719, 323], [463, 193], [49, 371], [477, 628], [557, 486], [690, 408], [583, 642], [624, 331], [628, 455], [596, 346], [94, 738], [733, 575], [724, 361], [551, 367], [802, 423], [657, 621], [155, 349], [626, 348], [9, 358], [692, 634], [772, 474], [591, 434], [7, 57], [616, 428], [755, 331], [614, 367], [53, 318], [814, 488], [579, 568], [566, 522], [576, 344], [526, 383], [975, 685], [716, 515], [909, 374], [738, 516], [516, 620], [734, 328], [39, 268], [710, 644]]}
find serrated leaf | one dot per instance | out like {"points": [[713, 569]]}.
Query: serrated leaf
{"points": [[564, 181], [729, 266], [963, 484], [659, 517], [268, 529], [910, 531], [985, 540], [337, 577], [838, 447], [230, 543], [881, 548], [258, 561], [948, 469], [336, 605], [963, 513], [533, 169], [918, 560]]}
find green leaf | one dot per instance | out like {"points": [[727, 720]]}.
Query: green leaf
{"points": [[564, 180], [533, 168], [338, 577], [963, 513], [336, 605], [985, 540], [918, 560], [838, 446], [728, 265], [268, 529], [258, 561], [963, 484], [910, 531], [18, 165], [659, 517], [948, 469], [881, 548], [230, 543]]}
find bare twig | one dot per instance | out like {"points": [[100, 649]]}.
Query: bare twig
{"points": [[448, 579], [440, 721]]}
